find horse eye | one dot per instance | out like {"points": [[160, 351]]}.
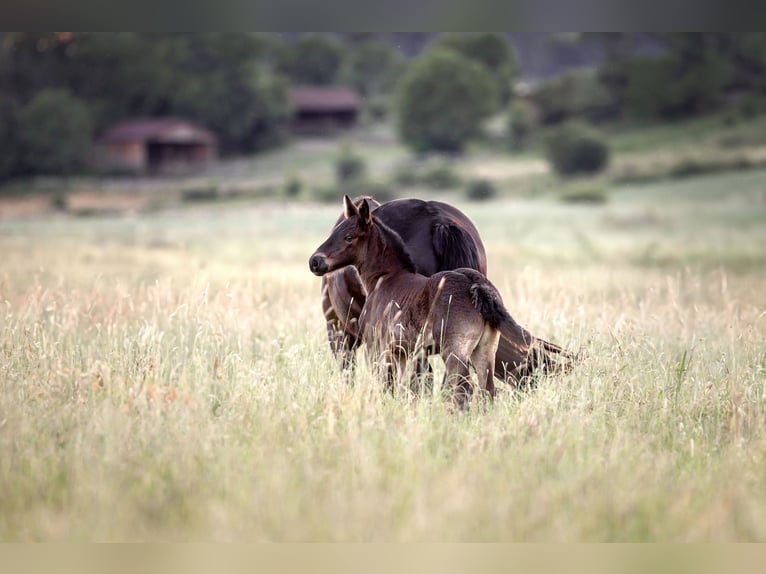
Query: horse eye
{"points": [[349, 238]]}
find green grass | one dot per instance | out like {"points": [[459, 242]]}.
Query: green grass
{"points": [[166, 377]]}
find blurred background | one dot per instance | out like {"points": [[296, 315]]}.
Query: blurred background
{"points": [[164, 366], [118, 122]]}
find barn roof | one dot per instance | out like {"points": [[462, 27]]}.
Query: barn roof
{"points": [[324, 98], [160, 130]]}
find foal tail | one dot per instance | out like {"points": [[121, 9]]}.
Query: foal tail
{"points": [[519, 353]]}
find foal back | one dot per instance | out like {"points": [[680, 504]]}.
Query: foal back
{"points": [[453, 314]]}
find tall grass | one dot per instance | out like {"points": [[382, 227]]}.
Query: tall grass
{"points": [[167, 377]]}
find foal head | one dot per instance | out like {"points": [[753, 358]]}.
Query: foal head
{"points": [[347, 242]]}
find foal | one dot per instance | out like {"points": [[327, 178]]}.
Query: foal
{"points": [[457, 314]]}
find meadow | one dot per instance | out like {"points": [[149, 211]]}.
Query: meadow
{"points": [[165, 376]]}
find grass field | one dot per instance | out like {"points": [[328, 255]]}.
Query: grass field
{"points": [[165, 376]]}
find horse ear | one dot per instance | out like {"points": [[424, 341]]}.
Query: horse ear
{"points": [[364, 213], [349, 208]]}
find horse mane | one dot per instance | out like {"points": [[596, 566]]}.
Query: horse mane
{"points": [[395, 242]]}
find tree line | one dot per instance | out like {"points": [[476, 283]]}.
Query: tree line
{"points": [[58, 89]]}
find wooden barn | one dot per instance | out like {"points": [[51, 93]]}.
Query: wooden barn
{"points": [[319, 109], [156, 146]]}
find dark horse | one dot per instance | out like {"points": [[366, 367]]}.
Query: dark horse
{"points": [[438, 237], [456, 314]]}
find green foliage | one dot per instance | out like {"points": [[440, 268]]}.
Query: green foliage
{"points": [[407, 175], [315, 59], [752, 105], [349, 166], [648, 80], [672, 87], [443, 100], [378, 107], [293, 186], [374, 67], [246, 105], [700, 73], [436, 174], [60, 200], [440, 175], [689, 77], [228, 86], [480, 190], [54, 133], [522, 121], [9, 160], [577, 93], [490, 49], [201, 193], [224, 81], [576, 148], [585, 191]]}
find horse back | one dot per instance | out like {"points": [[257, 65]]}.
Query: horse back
{"points": [[438, 236]]}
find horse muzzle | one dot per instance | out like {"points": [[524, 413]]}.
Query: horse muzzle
{"points": [[318, 264]]}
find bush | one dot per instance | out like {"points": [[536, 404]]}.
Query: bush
{"points": [[576, 148], [349, 166], [60, 201], [377, 107], [480, 190], [577, 93], [440, 175], [585, 192], [54, 134], [202, 193], [443, 100], [407, 175], [522, 120], [293, 186]]}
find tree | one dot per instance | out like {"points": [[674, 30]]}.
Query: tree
{"points": [[490, 49], [648, 80], [231, 88], [315, 59], [374, 67], [699, 72], [443, 100], [245, 105], [521, 122], [54, 133], [8, 138]]}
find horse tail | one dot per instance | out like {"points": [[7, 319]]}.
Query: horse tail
{"points": [[519, 353], [454, 247]]}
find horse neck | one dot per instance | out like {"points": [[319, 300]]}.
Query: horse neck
{"points": [[379, 261]]}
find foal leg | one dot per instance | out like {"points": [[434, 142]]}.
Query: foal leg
{"points": [[457, 377], [483, 359]]}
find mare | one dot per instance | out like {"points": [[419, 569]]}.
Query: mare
{"points": [[438, 237], [457, 314]]}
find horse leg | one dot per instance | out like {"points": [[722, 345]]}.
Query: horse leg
{"points": [[394, 369], [424, 379]]}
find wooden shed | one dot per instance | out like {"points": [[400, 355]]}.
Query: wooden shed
{"points": [[324, 108], [156, 145]]}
